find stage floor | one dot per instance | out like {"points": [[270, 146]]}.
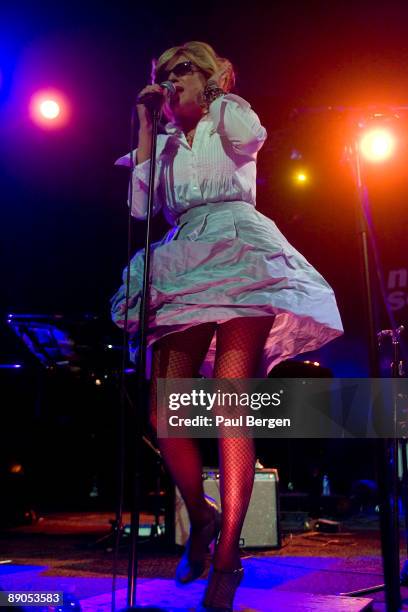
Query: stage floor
{"points": [[64, 552]]}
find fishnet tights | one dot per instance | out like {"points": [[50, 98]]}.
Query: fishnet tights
{"points": [[179, 355], [239, 346]]}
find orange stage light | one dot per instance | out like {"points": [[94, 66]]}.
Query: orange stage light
{"points": [[377, 144]]}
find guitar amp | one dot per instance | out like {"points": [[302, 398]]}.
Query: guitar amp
{"points": [[261, 527]]}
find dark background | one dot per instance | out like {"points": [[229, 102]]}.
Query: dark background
{"points": [[64, 203]]}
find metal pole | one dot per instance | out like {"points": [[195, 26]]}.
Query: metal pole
{"points": [[387, 449], [142, 395]]}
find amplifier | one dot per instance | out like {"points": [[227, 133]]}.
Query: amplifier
{"points": [[261, 527]]}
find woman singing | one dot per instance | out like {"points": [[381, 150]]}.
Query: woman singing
{"points": [[229, 295]]}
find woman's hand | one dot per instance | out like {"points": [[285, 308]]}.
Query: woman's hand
{"points": [[145, 120], [222, 76]]}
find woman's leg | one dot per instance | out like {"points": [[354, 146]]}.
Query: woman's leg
{"points": [[180, 355], [239, 347]]}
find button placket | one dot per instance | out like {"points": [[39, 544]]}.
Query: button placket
{"points": [[194, 176]]}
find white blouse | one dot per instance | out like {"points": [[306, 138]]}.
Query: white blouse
{"points": [[219, 167]]}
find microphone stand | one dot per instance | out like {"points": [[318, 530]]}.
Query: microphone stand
{"points": [[142, 383]]}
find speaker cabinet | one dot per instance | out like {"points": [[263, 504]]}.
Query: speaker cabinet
{"points": [[261, 525]]}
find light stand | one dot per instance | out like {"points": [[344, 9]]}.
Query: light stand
{"points": [[386, 449]]}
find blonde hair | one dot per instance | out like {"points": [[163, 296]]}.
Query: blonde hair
{"points": [[202, 55]]}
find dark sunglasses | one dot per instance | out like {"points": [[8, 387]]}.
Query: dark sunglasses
{"points": [[178, 70]]}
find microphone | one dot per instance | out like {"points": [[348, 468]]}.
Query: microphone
{"points": [[155, 99]]}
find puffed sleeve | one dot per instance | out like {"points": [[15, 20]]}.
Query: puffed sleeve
{"points": [[140, 185], [235, 121]]}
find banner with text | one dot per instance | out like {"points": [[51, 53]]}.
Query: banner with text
{"points": [[283, 408]]}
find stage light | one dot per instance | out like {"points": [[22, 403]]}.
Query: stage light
{"points": [[377, 144], [49, 109], [16, 468], [300, 177]]}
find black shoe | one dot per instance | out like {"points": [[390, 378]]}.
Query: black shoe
{"points": [[189, 569], [220, 592]]}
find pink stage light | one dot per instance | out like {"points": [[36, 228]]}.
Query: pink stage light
{"points": [[49, 109]]}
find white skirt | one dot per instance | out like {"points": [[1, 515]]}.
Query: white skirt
{"points": [[225, 260]]}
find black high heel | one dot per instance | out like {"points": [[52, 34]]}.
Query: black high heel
{"points": [[189, 570], [220, 592]]}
